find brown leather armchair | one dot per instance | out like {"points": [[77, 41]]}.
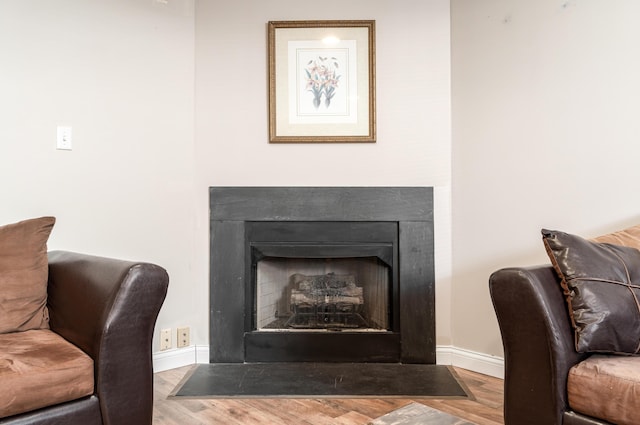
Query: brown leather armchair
{"points": [[538, 347], [107, 308]]}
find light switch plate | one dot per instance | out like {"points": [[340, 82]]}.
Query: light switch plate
{"points": [[64, 138]]}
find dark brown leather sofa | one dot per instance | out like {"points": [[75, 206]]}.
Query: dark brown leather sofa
{"points": [[538, 346], [107, 308]]}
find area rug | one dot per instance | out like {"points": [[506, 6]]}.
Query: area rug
{"points": [[418, 414], [320, 380]]}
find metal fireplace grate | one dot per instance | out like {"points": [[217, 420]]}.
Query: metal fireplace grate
{"points": [[326, 316]]}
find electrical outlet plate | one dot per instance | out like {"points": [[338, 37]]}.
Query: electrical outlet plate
{"points": [[183, 337], [165, 339]]}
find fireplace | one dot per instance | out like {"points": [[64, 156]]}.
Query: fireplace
{"points": [[322, 274]]}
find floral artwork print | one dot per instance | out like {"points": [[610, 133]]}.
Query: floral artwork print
{"points": [[322, 86], [322, 79]]}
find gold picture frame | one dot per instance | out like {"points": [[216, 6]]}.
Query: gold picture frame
{"points": [[322, 81]]}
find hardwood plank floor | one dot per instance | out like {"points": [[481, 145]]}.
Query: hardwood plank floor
{"points": [[486, 409]]}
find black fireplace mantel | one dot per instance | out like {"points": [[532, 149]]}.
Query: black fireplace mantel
{"points": [[233, 209]]}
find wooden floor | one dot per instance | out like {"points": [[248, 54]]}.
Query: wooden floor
{"points": [[486, 409]]}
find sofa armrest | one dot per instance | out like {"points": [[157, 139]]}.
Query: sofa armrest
{"points": [[538, 344], [108, 308]]}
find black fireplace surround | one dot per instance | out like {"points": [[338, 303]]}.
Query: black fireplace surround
{"points": [[392, 225]]}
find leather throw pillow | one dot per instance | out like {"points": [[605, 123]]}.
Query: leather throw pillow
{"points": [[601, 282], [23, 275]]}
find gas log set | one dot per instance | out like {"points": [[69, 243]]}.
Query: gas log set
{"points": [[326, 301]]}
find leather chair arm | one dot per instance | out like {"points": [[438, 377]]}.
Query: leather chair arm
{"points": [[108, 308], [538, 344]]}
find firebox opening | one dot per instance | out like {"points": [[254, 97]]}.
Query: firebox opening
{"points": [[322, 294]]}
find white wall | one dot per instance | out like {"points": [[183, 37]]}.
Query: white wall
{"points": [[545, 134], [413, 105], [121, 73], [169, 97]]}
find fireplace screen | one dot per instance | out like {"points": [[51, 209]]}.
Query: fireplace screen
{"points": [[322, 294]]}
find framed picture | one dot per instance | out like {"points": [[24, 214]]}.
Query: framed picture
{"points": [[322, 82]]}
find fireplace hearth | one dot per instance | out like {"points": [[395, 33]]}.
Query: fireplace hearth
{"points": [[322, 275]]}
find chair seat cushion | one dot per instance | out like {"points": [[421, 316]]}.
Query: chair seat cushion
{"points": [[39, 368], [606, 387]]}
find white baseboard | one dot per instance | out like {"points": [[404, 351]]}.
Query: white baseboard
{"points": [[470, 360], [445, 355], [171, 359]]}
